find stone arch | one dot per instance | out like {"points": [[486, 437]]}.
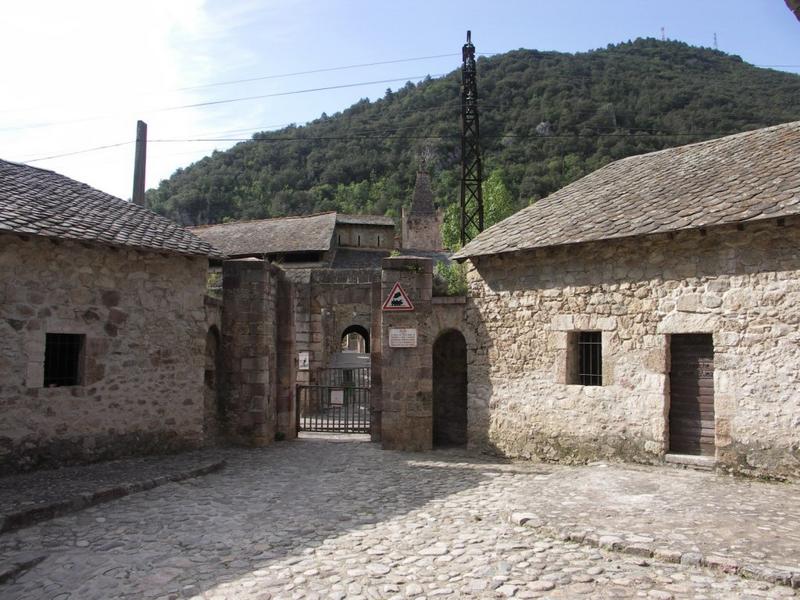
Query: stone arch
{"points": [[450, 389], [214, 409], [359, 330]]}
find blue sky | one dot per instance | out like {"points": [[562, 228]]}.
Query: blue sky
{"points": [[84, 71]]}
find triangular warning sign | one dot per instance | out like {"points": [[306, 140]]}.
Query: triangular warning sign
{"points": [[397, 299]]}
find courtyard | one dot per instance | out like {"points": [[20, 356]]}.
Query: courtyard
{"points": [[337, 517]]}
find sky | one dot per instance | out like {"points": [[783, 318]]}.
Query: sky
{"points": [[77, 75]]}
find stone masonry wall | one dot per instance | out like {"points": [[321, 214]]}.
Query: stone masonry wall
{"points": [[742, 286], [406, 392], [327, 301], [143, 317], [249, 350], [422, 232], [364, 236]]}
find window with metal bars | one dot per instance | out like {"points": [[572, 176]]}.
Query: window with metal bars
{"points": [[62, 359], [590, 358]]}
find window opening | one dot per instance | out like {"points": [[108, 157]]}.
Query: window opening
{"points": [[62, 359], [590, 358]]}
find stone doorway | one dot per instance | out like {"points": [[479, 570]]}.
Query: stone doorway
{"points": [[691, 382], [450, 389]]}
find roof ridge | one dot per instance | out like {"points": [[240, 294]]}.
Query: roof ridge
{"points": [[245, 221], [744, 176]]}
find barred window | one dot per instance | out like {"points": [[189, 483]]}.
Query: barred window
{"points": [[585, 358], [63, 355], [590, 358]]}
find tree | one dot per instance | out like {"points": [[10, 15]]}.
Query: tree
{"points": [[497, 205]]}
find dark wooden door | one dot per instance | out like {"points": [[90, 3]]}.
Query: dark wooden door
{"points": [[450, 390], [691, 381]]}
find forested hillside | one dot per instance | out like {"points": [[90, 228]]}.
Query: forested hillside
{"points": [[547, 118]]}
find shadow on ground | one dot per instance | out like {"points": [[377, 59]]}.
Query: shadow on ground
{"points": [[267, 505]]}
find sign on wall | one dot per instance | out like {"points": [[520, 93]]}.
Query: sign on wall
{"points": [[337, 397], [397, 299], [303, 361], [402, 337]]}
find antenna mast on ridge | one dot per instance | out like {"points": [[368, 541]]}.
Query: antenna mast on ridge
{"points": [[471, 169]]}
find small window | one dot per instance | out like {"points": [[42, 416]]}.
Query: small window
{"points": [[359, 241], [379, 241], [63, 355], [340, 239], [590, 358]]}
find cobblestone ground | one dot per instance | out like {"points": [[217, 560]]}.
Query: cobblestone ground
{"points": [[314, 519], [750, 522]]}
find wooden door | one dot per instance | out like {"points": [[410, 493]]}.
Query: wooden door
{"points": [[691, 381]]}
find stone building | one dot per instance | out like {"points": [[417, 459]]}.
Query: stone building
{"points": [[648, 311], [334, 263], [103, 324]]}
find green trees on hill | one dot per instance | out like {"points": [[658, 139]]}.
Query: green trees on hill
{"points": [[547, 118]]}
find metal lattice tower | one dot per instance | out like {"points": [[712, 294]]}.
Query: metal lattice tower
{"points": [[471, 169]]}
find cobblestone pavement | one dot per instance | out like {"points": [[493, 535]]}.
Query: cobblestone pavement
{"points": [[53, 490], [735, 521], [313, 519]]}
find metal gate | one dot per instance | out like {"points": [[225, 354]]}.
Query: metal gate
{"points": [[338, 402]]}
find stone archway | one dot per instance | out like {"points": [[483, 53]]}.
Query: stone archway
{"points": [[450, 389], [352, 333], [214, 411]]}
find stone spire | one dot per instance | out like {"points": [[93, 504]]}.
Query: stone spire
{"points": [[421, 225], [422, 201]]}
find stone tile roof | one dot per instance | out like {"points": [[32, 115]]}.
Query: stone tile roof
{"points": [[422, 201], [38, 202], [380, 220], [743, 177], [312, 233]]}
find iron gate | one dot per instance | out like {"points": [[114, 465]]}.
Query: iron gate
{"points": [[338, 402]]}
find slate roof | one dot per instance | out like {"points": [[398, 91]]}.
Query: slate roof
{"points": [[379, 220], [38, 202], [312, 233], [738, 178]]}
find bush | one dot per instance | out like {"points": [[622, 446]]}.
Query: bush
{"points": [[450, 279]]}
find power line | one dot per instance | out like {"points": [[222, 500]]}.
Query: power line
{"points": [[230, 100], [85, 151], [306, 91], [313, 71]]}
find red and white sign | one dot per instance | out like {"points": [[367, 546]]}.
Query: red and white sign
{"points": [[397, 299]]}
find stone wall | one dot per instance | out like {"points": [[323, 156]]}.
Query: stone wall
{"points": [[286, 362], [364, 236], [143, 319], [327, 301], [742, 286], [406, 385], [249, 344], [422, 232]]}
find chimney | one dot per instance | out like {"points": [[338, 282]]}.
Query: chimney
{"points": [[139, 164]]}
